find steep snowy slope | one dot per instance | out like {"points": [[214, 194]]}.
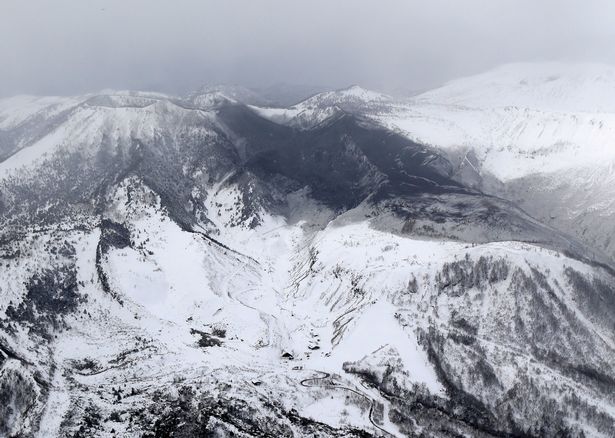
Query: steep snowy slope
{"points": [[519, 119], [545, 133], [183, 267]]}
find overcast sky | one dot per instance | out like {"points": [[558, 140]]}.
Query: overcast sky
{"points": [[72, 46]]}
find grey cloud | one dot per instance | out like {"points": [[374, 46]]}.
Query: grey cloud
{"points": [[73, 46]]}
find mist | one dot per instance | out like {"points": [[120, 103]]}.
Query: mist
{"points": [[76, 46]]}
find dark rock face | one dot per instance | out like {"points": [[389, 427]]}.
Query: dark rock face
{"points": [[112, 235], [344, 160]]}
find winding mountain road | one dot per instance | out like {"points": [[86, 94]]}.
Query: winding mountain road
{"points": [[320, 381]]}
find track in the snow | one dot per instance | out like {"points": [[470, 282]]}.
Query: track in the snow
{"points": [[334, 385]]}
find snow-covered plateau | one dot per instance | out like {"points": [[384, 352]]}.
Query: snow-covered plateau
{"points": [[352, 265]]}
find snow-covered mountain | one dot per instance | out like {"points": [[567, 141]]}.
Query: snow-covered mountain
{"points": [[210, 267], [541, 135], [321, 106], [520, 119]]}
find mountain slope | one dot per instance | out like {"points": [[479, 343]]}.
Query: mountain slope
{"points": [[538, 134], [175, 267]]}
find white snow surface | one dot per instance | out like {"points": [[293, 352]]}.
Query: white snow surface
{"points": [[520, 119], [554, 86]]}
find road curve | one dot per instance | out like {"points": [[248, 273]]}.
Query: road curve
{"points": [[314, 382]]}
